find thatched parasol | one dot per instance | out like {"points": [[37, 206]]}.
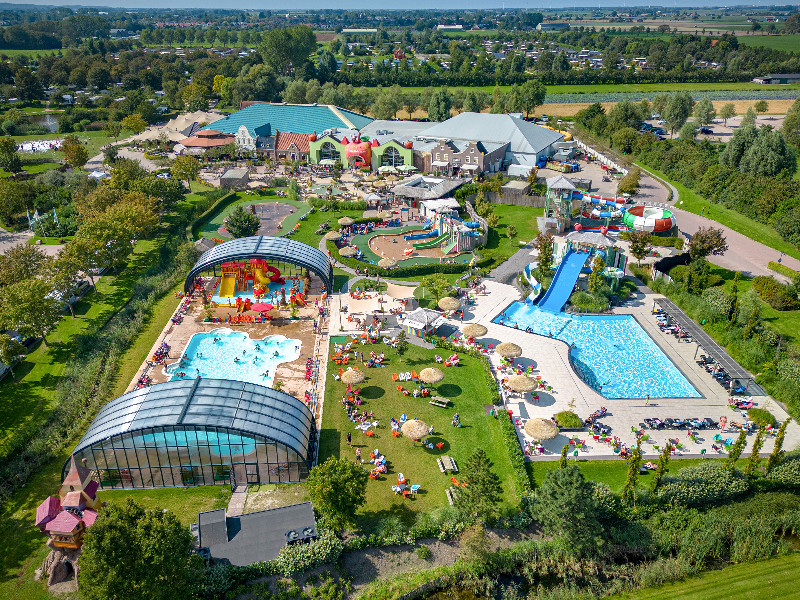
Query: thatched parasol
{"points": [[522, 383], [508, 350], [449, 303], [353, 377], [348, 251], [474, 330], [385, 214], [346, 221], [387, 263], [415, 429], [431, 375], [333, 236], [541, 429]]}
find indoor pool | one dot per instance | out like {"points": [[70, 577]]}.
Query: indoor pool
{"points": [[612, 353], [257, 359]]}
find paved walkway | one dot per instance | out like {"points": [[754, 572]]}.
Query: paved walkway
{"points": [[236, 503]]}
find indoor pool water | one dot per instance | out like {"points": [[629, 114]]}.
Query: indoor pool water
{"points": [[272, 295], [612, 353], [258, 359]]}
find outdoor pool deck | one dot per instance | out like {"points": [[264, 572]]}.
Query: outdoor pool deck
{"points": [[552, 363]]}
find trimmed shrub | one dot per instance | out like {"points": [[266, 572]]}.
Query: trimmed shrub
{"points": [[787, 473], [705, 485], [761, 416], [778, 296], [567, 418], [783, 269], [718, 299]]}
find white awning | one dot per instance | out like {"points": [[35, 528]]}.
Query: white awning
{"points": [[469, 167], [440, 163], [327, 162]]}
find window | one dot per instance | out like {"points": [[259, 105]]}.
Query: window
{"points": [[447, 157], [391, 157], [437, 156], [328, 151]]}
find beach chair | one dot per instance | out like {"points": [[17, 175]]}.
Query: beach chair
{"points": [[415, 488], [440, 445], [395, 377], [414, 376]]}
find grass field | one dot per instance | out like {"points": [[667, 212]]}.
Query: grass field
{"points": [[764, 580], [786, 42], [94, 141], [34, 53], [694, 203], [466, 388]]}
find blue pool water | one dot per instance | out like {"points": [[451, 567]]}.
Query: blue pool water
{"points": [[613, 354], [256, 357], [272, 295]]}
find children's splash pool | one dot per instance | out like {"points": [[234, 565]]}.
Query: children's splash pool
{"points": [[272, 294], [611, 353], [227, 354]]}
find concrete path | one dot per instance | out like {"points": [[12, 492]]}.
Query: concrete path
{"points": [[508, 270], [9, 239], [236, 503]]}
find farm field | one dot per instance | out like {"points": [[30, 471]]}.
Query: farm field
{"points": [[787, 42]]}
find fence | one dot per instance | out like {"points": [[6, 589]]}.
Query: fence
{"points": [[601, 158], [512, 198]]}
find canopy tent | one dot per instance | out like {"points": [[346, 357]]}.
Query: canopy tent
{"points": [[386, 169], [406, 168]]}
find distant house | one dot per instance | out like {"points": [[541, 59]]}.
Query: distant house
{"points": [[779, 79], [552, 26], [450, 27]]}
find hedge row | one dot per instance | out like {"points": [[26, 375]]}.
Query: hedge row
{"points": [[782, 269], [778, 296], [338, 205], [193, 229]]}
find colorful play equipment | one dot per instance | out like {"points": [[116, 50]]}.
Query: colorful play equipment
{"points": [[533, 282], [448, 232], [616, 206], [649, 218], [358, 152], [237, 277]]}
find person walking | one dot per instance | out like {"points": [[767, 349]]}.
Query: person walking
{"points": [[349, 439]]}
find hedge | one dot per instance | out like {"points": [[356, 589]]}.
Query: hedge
{"points": [[761, 416], [660, 241], [777, 295], [567, 418], [782, 269], [339, 205], [193, 229]]}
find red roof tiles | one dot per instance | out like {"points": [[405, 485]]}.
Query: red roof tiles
{"points": [[77, 475], [284, 141]]}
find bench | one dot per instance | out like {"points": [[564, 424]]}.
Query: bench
{"points": [[441, 465], [451, 495], [439, 401], [448, 464]]}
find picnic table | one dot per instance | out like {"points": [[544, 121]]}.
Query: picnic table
{"points": [[439, 401], [447, 464]]}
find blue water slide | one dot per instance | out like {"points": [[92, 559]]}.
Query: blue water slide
{"points": [[470, 224], [473, 234], [533, 282], [422, 236], [564, 281]]}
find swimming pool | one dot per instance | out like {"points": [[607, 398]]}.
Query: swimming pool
{"points": [[257, 359], [612, 353], [272, 295]]}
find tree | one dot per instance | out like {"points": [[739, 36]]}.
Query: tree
{"points": [[663, 461], [482, 491], [728, 111], [531, 94], [112, 129], [511, 232], [63, 276], [596, 277], [736, 451], [286, 49], [10, 351], [99, 76], [440, 104], [566, 507], [777, 450], [543, 242], [27, 85], [791, 123], [186, 168], [134, 123], [752, 462], [761, 107], [625, 139], [630, 183], [385, 106], [9, 157], [639, 244], [632, 479], [741, 141], [768, 155], [625, 114], [195, 97], [563, 460], [75, 153], [131, 552], [338, 487], [688, 132], [707, 241], [26, 308], [677, 110], [704, 112], [402, 342], [110, 154], [21, 262], [437, 284], [242, 223]]}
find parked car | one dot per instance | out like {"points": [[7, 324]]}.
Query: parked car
{"points": [[706, 131]]}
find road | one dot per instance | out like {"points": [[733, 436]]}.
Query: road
{"points": [[8, 239]]}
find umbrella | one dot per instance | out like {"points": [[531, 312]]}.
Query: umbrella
{"points": [[406, 168], [431, 375], [386, 263], [371, 177], [522, 383], [385, 214], [353, 377], [346, 221], [415, 429], [392, 178], [348, 251], [449, 303], [333, 236], [474, 330], [508, 350], [541, 429], [262, 306]]}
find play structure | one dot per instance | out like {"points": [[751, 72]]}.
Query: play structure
{"points": [[241, 277], [649, 218], [448, 232]]}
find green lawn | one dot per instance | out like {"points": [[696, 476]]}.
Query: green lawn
{"points": [[692, 202], [307, 232], [35, 168], [210, 228], [499, 245], [787, 42], [13, 53], [184, 503], [94, 141], [466, 388], [764, 580]]}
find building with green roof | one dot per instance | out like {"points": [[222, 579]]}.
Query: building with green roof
{"points": [[254, 125]]}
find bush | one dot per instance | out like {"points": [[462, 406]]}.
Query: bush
{"points": [[705, 485], [585, 302], [719, 300], [567, 418], [778, 296], [787, 473], [424, 552], [338, 205], [658, 240], [783, 269], [761, 416]]}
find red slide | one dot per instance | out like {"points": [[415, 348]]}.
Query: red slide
{"points": [[275, 276]]}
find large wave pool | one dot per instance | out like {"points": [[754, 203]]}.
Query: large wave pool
{"points": [[257, 359], [611, 353]]}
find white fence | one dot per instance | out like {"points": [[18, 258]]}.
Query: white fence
{"points": [[601, 158]]}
